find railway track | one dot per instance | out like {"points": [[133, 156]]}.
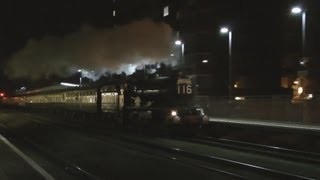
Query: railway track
{"points": [[229, 167], [280, 152]]}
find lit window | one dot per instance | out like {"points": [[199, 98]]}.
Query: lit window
{"points": [[114, 12], [300, 90], [310, 96], [165, 11]]}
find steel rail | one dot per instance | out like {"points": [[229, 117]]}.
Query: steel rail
{"points": [[286, 153], [228, 162], [70, 168]]}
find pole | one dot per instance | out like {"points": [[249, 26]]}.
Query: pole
{"points": [[182, 54], [304, 33], [80, 80], [230, 63]]}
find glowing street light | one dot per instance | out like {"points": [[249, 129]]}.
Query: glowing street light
{"points": [[296, 10], [178, 42], [225, 30], [205, 61]]}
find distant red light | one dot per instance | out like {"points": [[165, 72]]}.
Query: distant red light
{"points": [[1, 94]]}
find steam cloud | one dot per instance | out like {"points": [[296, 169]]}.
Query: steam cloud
{"points": [[118, 49]]}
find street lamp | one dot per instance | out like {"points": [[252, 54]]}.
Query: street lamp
{"points": [[84, 73], [225, 30], [80, 80], [296, 10], [180, 43], [299, 10], [205, 61], [302, 73]]}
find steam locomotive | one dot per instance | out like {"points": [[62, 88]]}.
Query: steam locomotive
{"points": [[157, 101]]}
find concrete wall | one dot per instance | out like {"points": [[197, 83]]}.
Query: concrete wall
{"points": [[275, 108]]}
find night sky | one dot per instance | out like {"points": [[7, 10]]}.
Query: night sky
{"points": [[22, 21]]}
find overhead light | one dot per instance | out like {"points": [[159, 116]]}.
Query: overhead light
{"points": [[69, 84], [205, 61]]}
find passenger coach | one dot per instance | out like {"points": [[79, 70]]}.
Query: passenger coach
{"points": [[156, 101]]}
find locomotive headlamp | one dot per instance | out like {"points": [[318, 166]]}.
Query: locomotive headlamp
{"points": [[173, 113]]}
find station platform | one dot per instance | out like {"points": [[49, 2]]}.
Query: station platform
{"points": [[15, 164], [269, 124]]}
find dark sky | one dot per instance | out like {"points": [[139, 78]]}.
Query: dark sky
{"points": [[25, 20], [53, 31], [35, 19]]}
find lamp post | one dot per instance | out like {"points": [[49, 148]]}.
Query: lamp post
{"points": [[80, 79], [84, 73], [298, 10], [180, 43], [225, 30], [302, 74]]}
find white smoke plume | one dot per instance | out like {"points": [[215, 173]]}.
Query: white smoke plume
{"points": [[117, 49]]}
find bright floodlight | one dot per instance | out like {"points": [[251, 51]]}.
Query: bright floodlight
{"points": [[224, 30], [296, 10], [178, 42], [79, 70]]}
